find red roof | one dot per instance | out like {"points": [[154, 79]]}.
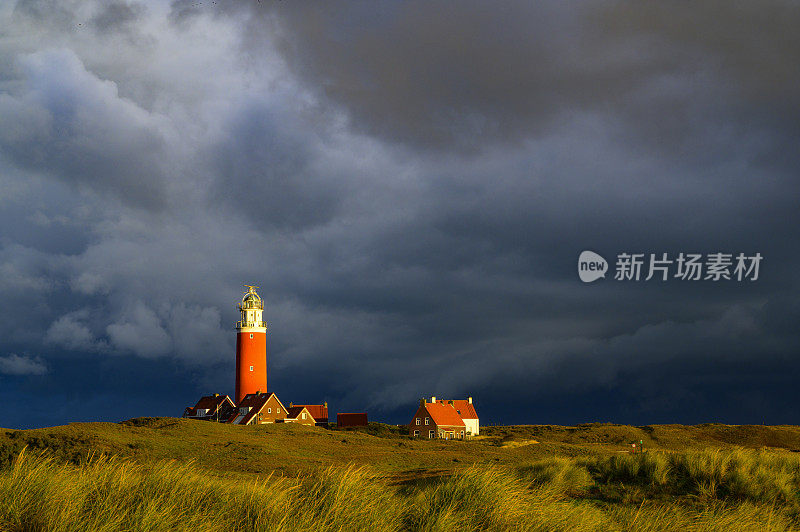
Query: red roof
{"points": [[208, 402], [464, 408], [256, 402], [295, 411], [318, 412], [444, 414]]}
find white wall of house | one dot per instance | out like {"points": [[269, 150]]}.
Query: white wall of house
{"points": [[473, 427]]}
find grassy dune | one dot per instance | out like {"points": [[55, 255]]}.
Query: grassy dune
{"points": [[170, 474], [716, 490]]}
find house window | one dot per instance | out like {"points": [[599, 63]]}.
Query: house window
{"points": [[416, 434], [430, 434], [304, 415], [269, 410], [251, 335], [427, 419], [278, 410], [251, 368], [418, 421], [462, 434]]}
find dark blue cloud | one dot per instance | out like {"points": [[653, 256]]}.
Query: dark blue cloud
{"points": [[410, 185]]}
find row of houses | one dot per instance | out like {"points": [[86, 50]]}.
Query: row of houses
{"points": [[434, 419], [261, 407], [256, 408]]}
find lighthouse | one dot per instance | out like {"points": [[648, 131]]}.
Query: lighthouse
{"points": [[251, 346]]}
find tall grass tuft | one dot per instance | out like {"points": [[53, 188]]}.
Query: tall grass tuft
{"points": [[712, 490], [351, 495], [560, 477], [645, 469], [38, 494], [473, 499], [754, 476], [497, 499], [744, 475]]}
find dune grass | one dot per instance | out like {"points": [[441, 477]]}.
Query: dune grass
{"points": [[39, 494], [758, 477], [711, 490]]}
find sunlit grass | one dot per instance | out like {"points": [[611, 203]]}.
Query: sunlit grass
{"points": [[710, 490]]}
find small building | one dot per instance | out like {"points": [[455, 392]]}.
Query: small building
{"points": [[318, 412], [257, 409], [352, 419], [466, 409], [437, 420], [213, 407], [299, 414]]}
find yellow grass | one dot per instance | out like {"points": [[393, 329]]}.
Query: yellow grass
{"points": [[37, 493], [171, 474]]}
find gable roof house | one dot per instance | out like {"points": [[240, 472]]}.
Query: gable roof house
{"points": [[258, 408], [299, 414], [214, 407], [466, 409], [437, 420], [318, 412]]}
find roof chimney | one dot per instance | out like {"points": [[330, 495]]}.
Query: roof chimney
{"points": [[433, 398], [325, 404], [216, 395], [469, 400], [291, 405]]}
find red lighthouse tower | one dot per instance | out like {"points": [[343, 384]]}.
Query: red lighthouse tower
{"points": [[251, 346]]}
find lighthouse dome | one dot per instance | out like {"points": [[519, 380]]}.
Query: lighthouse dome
{"points": [[251, 299]]}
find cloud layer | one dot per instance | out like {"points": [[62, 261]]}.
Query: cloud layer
{"points": [[21, 365], [410, 185]]}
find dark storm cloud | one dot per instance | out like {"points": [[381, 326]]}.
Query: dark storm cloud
{"points": [[59, 15], [755, 44], [70, 15], [65, 121], [117, 16], [444, 75], [439, 75], [694, 153], [184, 11], [410, 184], [265, 170]]}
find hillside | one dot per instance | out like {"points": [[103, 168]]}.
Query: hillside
{"points": [[290, 449], [185, 475]]}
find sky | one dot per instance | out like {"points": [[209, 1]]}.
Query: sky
{"points": [[410, 184]]}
